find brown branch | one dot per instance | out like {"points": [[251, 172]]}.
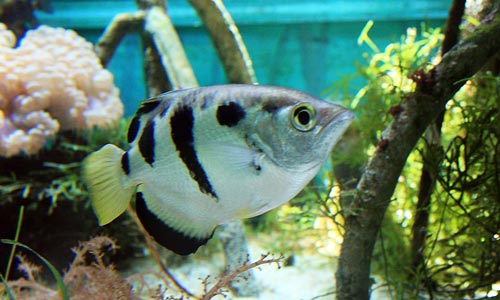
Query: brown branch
{"points": [[234, 244], [452, 31], [156, 78], [380, 176], [160, 57], [429, 171], [168, 44], [227, 40], [245, 267], [121, 25]]}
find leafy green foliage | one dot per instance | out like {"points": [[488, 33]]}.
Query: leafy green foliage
{"points": [[387, 76], [465, 257], [463, 242], [463, 245]]}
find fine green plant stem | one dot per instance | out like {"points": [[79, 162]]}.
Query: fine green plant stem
{"points": [[7, 289], [364, 38], [60, 283], [16, 238]]}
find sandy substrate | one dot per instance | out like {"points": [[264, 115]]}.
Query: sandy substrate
{"points": [[311, 276]]}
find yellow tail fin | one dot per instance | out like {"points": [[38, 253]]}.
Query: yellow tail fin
{"points": [[109, 187]]}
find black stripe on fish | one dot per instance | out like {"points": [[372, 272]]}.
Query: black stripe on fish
{"points": [[135, 124], [230, 114], [125, 163], [148, 106], [182, 126], [165, 235], [147, 143], [133, 129]]}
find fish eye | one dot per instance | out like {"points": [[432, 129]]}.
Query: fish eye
{"points": [[303, 117]]}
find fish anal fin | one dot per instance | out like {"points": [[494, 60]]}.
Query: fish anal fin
{"points": [[167, 236], [109, 188]]}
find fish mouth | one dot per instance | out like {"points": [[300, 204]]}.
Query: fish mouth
{"points": [[340, 119], [333, 128]]}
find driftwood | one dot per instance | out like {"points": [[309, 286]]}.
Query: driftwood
{"points": [[168, 44], [227, 40], [120, 26]]}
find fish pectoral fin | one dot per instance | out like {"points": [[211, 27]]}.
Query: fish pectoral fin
{"points": [[169, 231], [109, 187]]}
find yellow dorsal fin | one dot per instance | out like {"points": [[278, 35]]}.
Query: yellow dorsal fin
{"points": [[110, 188]]}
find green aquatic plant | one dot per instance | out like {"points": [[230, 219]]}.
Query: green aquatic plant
{"points": [[463, 256], [388, 76], [5, 277], [57, 276], [461, 253], [7, 288], [54, 174], [16, 239], [15, 243]]}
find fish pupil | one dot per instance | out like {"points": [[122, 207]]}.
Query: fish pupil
{"points": [[303, 117]]}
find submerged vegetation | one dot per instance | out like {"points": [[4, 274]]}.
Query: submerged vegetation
{"points": [[458, 256], [55, 172]]}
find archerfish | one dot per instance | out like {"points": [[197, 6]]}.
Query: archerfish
{"points": [[205, 156]]}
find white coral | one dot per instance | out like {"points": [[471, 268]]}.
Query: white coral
{"points": [[7, 38], [52, 81]]}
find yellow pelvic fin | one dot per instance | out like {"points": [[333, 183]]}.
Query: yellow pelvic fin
{"points": [[110, 188]]}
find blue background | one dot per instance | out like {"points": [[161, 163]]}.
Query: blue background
{"points": [[308, 45]]}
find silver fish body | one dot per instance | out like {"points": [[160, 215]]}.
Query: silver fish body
{"points": [[204, 156]]}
